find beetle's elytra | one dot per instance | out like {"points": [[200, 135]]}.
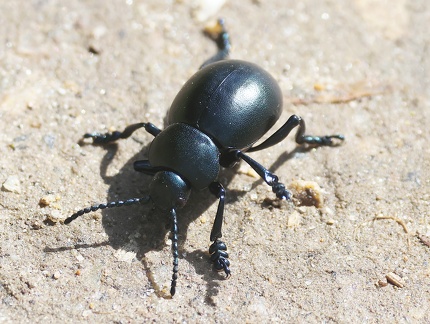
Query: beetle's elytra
{"points": [[215, 119]]}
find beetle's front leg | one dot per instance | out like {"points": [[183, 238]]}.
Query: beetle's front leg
{"points": [[218, 249], [111, 137], [270, 178], [301, 138]]}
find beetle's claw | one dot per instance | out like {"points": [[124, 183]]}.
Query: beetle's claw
{"points": [[328, 140], [222, 264]]}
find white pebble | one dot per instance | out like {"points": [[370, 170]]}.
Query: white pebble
{"points": [[12, 184]]}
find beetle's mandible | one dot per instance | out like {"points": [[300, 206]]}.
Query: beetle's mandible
{"points": [[215, 119]]}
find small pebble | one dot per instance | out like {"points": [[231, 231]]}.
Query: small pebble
{"points": [[330, 221], [395, 280], [204, 9], [47, 200], [54, 216], [12, 184], [294, 219], [308, 193]]}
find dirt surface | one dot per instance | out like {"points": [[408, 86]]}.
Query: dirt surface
{"points": [[358, 68]]}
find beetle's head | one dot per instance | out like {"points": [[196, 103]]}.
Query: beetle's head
{"points": [[169, 190]]}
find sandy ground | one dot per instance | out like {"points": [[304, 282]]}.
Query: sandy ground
{"points": [[359, 68]]}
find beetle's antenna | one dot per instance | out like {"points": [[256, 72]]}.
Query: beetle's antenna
{"points": [[120, 203], [174, 251]]}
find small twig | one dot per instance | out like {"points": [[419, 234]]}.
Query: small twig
{"points": [[397, 220], [343, 94], [424, 239]]}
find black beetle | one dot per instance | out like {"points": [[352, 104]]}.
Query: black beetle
{"points": [[216, 117]]}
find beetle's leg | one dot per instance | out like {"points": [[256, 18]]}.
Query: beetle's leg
{"points": [[111, 137], [271, 179], [218, 190], [220, 35], [218, 249], [301, 138], [144, 167]]}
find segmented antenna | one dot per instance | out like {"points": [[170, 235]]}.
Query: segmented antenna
{"points": [[120, 203], [134, 201], [175, 252]]}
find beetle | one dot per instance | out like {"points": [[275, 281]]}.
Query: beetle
{"points": [[214, 120]]}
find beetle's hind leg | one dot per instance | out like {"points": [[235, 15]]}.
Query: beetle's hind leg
{"points": [[99, 138], [301, 138], [221, 37], [218, 249], [271, 179]]}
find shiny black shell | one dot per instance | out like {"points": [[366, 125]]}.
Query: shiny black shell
{"points": [[234, 102], [188, 152]]}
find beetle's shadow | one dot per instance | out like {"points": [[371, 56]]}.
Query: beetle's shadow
{"points": [[151, 225]]}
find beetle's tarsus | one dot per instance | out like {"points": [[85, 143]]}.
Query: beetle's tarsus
{"points": [[100, 139], [322, 140], [219, 257], [281, 192]]}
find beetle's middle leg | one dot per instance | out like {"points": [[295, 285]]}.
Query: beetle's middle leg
{"points": [[99, 138], [218, 249], [230, 158], [145, 167], [301, 138], [270, 178]]}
